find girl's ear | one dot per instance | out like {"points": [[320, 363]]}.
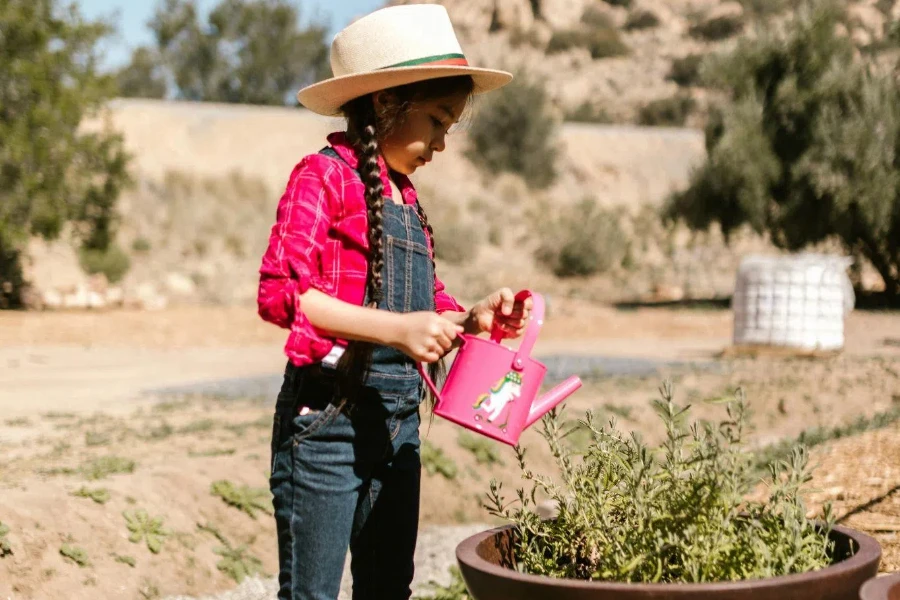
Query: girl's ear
{"points": [[383, 100]]}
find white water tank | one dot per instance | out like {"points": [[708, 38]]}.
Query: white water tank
{"points": [[796, 301]]}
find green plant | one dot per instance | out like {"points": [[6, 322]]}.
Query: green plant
{"points": [[581, 240], [110, 261], [144, 527], [765, 8], [435, 461], [601, 42], [77, 555], [127, 560], [105, 466], [56, 175], [514, 132], [686, 70], [244, 498], [96, 438], [455, 590], [717, 28], [622, 3], [213, 452], [5, 548], [588, 112], [641, 19], [98, 495], [237, 563], [678, 512], [792, 154], [672, 111], [484, 450], [18, 422], [595, 16], [456, 242], [141, 245], [198, 426]]}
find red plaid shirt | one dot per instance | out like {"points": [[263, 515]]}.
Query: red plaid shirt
{"points": [[320, 240]]}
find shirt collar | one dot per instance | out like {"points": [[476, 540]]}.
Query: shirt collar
{"points": [[347, 152]]}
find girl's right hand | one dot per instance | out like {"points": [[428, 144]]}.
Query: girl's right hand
{"points": [[425, 336]]}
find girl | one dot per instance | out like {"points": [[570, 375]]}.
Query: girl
{"points": [[349, 271]]}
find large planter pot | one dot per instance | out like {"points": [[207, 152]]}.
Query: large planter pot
{"points": [[882, 588], [485, 560]]}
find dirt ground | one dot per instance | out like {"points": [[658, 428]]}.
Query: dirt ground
{"points": [[71, 395]]}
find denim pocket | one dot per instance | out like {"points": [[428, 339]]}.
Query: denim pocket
{"points": [[305, 425], [408, 267]]}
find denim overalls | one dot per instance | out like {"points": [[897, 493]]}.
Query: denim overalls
{"points": [[351, 478]]}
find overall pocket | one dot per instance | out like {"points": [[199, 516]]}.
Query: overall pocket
{"points": [[404, 262]]}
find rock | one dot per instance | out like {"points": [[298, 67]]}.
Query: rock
{"points": [[180, 284], [115, 296], [147, 297], [52, 299], [667, 293]]}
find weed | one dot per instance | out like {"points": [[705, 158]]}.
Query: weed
{"points": [[455, 590], [75, 554], [244, 498], [124, 559], [96, 438], [213, 452], [143, 526], [98, 495], [5, 548], [484, 450], [435, 461], [237, 563], [198, 426], [105, 466], [18, 422], [149, 590]]}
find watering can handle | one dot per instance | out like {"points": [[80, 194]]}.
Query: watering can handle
{"points": [[535, 321], [424, 373]]}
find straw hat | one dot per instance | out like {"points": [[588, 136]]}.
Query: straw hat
{"points": [[390, 47]]}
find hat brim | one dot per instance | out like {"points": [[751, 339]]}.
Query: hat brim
{"points": [[327, 97]]}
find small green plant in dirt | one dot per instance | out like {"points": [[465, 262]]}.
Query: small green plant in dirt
{"points": [[679, 512], [212, 452], [484, 450], [5, 548], [77, 555], [455, 590], [435, 461], [144, 527], [105, 466], [247, 499], [98, 495], [96, 438], [200, 426], [18, 422], [125, 560], [237, 563]]}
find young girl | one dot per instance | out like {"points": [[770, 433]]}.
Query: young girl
{"points": [[349, 271]]}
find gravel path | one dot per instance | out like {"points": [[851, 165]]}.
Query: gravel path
{"points": [[435, 554]]}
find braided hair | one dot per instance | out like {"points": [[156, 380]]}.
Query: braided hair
{"points": [[365, 129]]}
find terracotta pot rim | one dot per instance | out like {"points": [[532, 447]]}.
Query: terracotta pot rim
{"points": [[868, 550], [879, 587]]}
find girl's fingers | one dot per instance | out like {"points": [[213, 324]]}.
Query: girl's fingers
{"points": [[507, 300]]}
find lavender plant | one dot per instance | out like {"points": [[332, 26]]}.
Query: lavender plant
{"points": [[679, 512]]}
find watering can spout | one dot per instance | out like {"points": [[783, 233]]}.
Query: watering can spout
{"points": [[542, 405]]}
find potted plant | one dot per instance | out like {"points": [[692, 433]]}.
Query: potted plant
{"points": [[881, 588], [673, 522]]}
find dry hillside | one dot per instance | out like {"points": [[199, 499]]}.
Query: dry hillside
{"points": [[617, 55]]}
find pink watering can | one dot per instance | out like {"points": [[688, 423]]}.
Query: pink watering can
{"points": [[492, 389]]}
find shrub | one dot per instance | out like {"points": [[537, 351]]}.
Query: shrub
{"points": [[5, 548], [641, 19], [677, 513], [587, 112], [602, 41], [717, 28], [672, 111], [435, 461], [514, 132], [455, 242], [141, 245], [581, 240], [765, 8], [805, 150], [622, 3], [112, 262], [594, 16], [686, 70]]}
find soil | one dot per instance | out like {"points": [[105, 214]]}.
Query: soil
{"points": [[72, 390]]}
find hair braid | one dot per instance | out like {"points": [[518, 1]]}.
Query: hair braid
{"points": [[371, 176], [423, 219]]}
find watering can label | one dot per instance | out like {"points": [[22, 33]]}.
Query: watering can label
{"points": [[492, 389], [491, 406]]}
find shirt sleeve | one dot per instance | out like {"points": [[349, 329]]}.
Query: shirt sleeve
{"points": [[291, 263], [443, 301]]}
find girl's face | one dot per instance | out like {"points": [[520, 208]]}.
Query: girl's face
{"points": [[421, 133]]}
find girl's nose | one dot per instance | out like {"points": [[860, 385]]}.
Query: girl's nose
{"points": [[438, 143]]}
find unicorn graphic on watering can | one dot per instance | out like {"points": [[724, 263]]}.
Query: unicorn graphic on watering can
{"points": [[505, 392], [513, 378]]}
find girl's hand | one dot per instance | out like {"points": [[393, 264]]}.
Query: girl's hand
{"points": [[425, 336], [511, 315]]}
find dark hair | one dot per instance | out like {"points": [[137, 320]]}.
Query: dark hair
{"points": [[365, 130]]}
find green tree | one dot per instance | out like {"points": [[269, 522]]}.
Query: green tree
{"points": [[246, 51], [808, 148], [52, 172], [515, 132], [143, 77]]}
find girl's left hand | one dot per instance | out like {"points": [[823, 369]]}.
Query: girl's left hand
{"points": [[511, 315]]}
